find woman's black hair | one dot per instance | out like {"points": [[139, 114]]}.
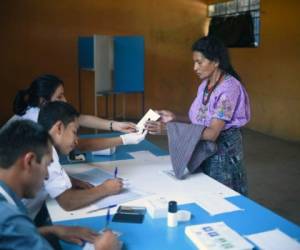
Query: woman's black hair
{"points": [[43, 86], [214, 50]]}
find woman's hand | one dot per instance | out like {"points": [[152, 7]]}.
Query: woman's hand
{"points": [[156, 127], [125, 127], [166, 116]]}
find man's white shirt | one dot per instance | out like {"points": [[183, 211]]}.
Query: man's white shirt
{"points": [[58, 181]]}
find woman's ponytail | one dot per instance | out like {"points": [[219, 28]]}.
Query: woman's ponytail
{"points": [[21, 102]]}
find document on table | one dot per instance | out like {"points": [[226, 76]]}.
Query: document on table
{"points": [[94, 176], [274, 240], [97, 176], [112, 200], [143, 155], [90, 246], [215, 204]]}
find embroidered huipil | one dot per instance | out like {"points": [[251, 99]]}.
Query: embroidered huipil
{"points": [[228, 101]]}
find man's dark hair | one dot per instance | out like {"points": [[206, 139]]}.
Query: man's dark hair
{"points": [[56, 111], [20, 137]]}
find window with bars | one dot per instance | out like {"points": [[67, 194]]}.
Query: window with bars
{"points": [[239, 7]]}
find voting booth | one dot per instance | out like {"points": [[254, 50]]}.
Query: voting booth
{"points": [[118, 66]]}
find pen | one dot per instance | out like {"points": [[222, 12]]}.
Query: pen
{"points": [[116, 172], [98, 209], [107, 218]]}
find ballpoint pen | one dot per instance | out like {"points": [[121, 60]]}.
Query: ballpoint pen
{"points": [[107, 218], [116, 172], [99, 209]]}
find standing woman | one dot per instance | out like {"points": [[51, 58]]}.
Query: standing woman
{"points": [[222, 106], [48, 88]]}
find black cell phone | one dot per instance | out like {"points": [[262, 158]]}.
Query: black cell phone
{"points": [[128, 214]]}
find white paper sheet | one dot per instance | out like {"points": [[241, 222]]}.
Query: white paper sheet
{"points": [[149, 116], [274, 240], [133, 170], [113, 200], [94, 176], [215, 204], [97, 176], [90, 246], [143, 155]]}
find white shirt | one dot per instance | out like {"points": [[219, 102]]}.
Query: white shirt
{"points": [[57, 183], [32, 113]]}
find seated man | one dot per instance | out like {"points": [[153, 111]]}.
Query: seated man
{"points": [[60, 119], [25, 153]]}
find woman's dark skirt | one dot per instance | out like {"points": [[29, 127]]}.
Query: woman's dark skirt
{"points": [[226, 165]]}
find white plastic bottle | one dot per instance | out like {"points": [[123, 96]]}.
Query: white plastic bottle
{"points": [[172, 214]]}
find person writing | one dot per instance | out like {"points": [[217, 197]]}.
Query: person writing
{"points": [[222, 106], [25, 153], [60, 119]]}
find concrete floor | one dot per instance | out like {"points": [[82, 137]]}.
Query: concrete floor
{"points": [[273, 168]]}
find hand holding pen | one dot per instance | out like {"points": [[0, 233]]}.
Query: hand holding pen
{"points": [[112, 186], [108, 210]]}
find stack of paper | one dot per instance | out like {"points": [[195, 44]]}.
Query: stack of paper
{"points": [[216, 236]]}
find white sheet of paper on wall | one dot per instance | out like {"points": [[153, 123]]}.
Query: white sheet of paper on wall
{"points": [[149, 116]]}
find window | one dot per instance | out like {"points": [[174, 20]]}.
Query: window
{"points": [[237, 8]]}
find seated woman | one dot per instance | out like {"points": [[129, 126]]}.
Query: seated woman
{"points": [[47, 88]]}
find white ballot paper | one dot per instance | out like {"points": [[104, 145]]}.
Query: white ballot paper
{"points": [[116, 199], [274, 240], [149, 116], [215, 204], [143, 155], [94, 176], [90, 246], [97, 176]]}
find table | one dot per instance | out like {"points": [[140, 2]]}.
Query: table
{"points": [[144, 169]]}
